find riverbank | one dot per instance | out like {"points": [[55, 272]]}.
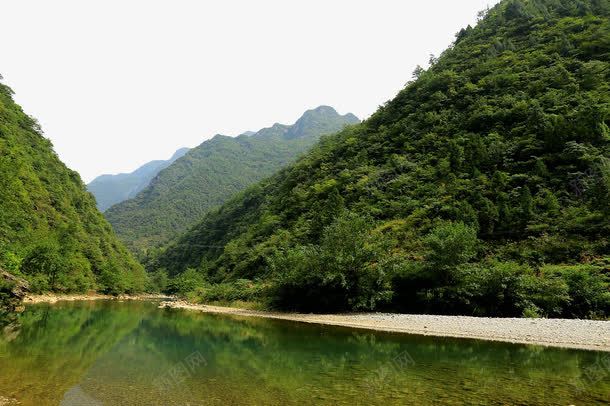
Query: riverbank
{"points": [[54, 298], [564, 333]]}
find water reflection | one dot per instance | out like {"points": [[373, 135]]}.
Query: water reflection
{"points": [[133, 353]]}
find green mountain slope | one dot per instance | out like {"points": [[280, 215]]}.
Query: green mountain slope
{"points": [[211, 173], [50, 230], [109, 190], [483, 187]]}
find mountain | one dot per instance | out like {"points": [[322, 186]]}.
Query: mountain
{"points": [[211, 173], [482, 188], [112, 189], [50, 229]]}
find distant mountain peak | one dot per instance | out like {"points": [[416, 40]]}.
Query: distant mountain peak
{"points": [[320, 120], [323, 110], [212, 172]]}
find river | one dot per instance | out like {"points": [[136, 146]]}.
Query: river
{"points": [[131, 353]]}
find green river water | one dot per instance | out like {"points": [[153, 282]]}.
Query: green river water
{"points": [[131, 353]]}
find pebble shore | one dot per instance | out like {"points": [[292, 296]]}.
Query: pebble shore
{"points": [[565, 333]]}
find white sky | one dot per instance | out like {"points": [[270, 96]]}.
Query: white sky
{"points": [[116, 84]]}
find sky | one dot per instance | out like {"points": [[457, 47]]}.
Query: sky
{"points": [[116, 84]]}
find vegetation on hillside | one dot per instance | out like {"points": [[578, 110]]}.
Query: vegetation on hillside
{"points": [[210, 174], [51, 233], [109, 190], [482, 188]]}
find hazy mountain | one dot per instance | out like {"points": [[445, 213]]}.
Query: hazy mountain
{"points": [[112, 189], [212, 172]]}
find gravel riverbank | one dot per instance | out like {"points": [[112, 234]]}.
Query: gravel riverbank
{"points": [[566, 333], [581, 334]]}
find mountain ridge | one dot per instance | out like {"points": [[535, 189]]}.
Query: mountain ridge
{"points": [[482, 188], [210, 173], [110, 189]]}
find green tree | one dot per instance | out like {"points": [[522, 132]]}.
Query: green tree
{"points": [[450, 244], [342, 273], [45, 262]]}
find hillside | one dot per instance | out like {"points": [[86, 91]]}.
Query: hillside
{"points": [[211, 173], [50, 230], [482, 188], [109, 190]]}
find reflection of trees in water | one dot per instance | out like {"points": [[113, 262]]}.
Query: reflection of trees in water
{"points": [[12, 292], [115, 352], [288, 357], [57, 344], [9, 328]]}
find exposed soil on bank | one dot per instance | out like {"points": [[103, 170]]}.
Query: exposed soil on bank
{"points": [[565, 333]]}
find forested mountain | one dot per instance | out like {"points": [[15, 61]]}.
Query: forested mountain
{"points": [[50, 230], [482, 188], [211, 173], [112, 189]]}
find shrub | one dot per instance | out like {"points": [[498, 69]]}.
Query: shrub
{"points": [[505, 289], [158, 281], [449, 245], [239, 290], [110, 280], [10, 262], [588, 288], [44, 266], [342, 273], [492, 289], [545, 295], [185, 283]]}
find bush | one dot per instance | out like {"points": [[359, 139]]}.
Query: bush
{"points": [[588, 288], [39, 283], [10, 262], [44, 266], [240, 290], [110, 280], [504, 289], [342, 273], [545, 295], [185, 283], [50, 269], [492, 289], [450, 245], [77, 275], [158, 281]]}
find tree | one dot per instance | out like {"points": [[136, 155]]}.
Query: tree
{"points": [[158, 281], [526, 205], [44, 260], [448, 245], [342, 273], [515, 10], [186, 282]]}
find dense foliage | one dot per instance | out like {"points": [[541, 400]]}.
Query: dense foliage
{"points": [[50, 230], [211, 173], [109, 190], [483, 187]]}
